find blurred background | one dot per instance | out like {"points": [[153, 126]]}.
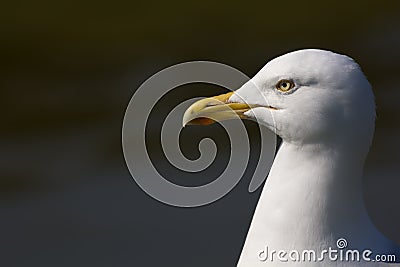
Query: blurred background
{"points": [[68, 71]]}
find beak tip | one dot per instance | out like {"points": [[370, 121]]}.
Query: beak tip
{"points": [[186, 118], [210, 110]]}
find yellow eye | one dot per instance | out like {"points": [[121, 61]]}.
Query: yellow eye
{"points": [[284, 85]]}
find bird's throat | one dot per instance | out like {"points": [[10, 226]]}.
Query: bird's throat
{"points": [[312, 196]]}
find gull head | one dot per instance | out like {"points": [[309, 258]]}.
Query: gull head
{"points": [[306, 96]]}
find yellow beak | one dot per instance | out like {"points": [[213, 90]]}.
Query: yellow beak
{"points": [[217, 108]]}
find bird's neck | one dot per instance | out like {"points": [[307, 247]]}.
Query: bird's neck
{"points": [[319, 182], [312, 197]]}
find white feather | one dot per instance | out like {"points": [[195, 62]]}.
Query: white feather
{"points": [[313, 194]]}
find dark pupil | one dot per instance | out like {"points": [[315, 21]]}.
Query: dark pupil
{"points": [[284, 85]]}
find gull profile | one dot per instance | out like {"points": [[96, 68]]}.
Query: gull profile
{"points": [[322, 106]]}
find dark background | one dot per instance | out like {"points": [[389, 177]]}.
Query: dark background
{"points": [[68, 70]]}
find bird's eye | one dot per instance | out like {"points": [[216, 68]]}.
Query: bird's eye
{"points": [[284, 85]]}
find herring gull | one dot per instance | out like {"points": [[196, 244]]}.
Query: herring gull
{"points": [[322, 106]]}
